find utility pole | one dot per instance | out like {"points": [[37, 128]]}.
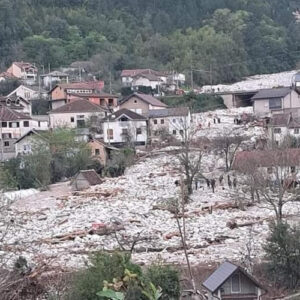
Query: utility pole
{"points": [[1, 137], [110, 89], [192, 79], [211, 77]]}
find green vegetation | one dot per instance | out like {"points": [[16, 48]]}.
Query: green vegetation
{"points": [[114, 276], [197, 103], [283, 255], [233, 38], [55, 155]]}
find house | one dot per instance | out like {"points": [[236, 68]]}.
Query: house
{"points": [[280, 100], [12, 126], [26, 143], [16, 103], [283, 125], [101, 151], [7, 76], [24, 71], [75, 114], [102, 99], [141, 103], [52, 78], [29, 92], [248, 161], [173, 121], [60, 92], [232, 282], [85, 179], [149, 80], [124, 127]]}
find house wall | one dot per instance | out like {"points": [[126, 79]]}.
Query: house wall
{"points": [[102, 157], [25, 93], [135, 104], [64, 119], [49, 80], [247, 286], [131, 127], [17, 132], [261, 107], [141, 81], [58, 93], [57, 104], [27, 144], [15, 70], [171, 124], [79, 183], [8, 151]]}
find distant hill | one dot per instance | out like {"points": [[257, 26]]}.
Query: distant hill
{"points": [[230, 38]]}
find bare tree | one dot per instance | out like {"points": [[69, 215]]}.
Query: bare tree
{"points": [[190, 154], [273, 175], [229, 144]]}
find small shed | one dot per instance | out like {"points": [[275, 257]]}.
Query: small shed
{"points": [[232, 282], [84, 179]]}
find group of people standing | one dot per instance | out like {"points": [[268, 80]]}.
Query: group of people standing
{"points": [[211, 183]]}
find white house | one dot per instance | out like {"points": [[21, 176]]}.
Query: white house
{"points": [[283, 125], [149, 80], [141, 103], [29, 92], [125, 126], [76, 114], [24, 71], [26, 143], [53, 78], [174, 121], [271, 101]]}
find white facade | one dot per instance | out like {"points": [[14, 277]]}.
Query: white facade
{"points": [[123, 131], [278, 133], [142, 81], [72, 119], [28, 93], [27, 144]]}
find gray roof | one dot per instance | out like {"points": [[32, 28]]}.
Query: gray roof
{"points": [[55, 74], [130, 114], [168, 112], [146, 98], [272, 93], [219, 276], [225, 271]]}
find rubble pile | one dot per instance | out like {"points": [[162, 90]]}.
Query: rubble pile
{"points": [[134, 208]]}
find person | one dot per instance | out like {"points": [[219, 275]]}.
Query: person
{"points": [[234, 182], [196, 184], [208, 183], [221, 179], [213, 184], [219, 120], [214, 121], [208, 124], [229, 181]]}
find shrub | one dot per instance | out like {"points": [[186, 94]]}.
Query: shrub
{"points": [[165, 277], [283, 255]]}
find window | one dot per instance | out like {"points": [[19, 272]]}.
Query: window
{"points": [[124, 131], [277, 130], [110, 134], [174, 132], [6, 144], [235, 283], [6, 135], [155, 121], [97, 151], [14, 124], [135, 101], [4, 124], [80, 123], [293, 169], [275, 103], [296, 131], [72, 119], [110, 102], [27, 147], [26, 123], [139, 131], [181, 132], [270, 170], [162, 121]]}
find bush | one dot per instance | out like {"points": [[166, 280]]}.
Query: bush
{"points": [[283, 255], [167, 278]]}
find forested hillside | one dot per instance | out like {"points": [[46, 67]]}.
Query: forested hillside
{"points": [[232, 38]]}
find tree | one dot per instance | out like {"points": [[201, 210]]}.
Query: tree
{"points": [[283, 255], [229, 144], [190, 153], [277, 184]]}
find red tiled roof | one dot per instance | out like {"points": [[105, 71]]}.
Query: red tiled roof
{"points": [[134, 72], [24, 65], [77, 106], [246, 161], [83, 85], [7, 75], [96, 95], [7, 114]]}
